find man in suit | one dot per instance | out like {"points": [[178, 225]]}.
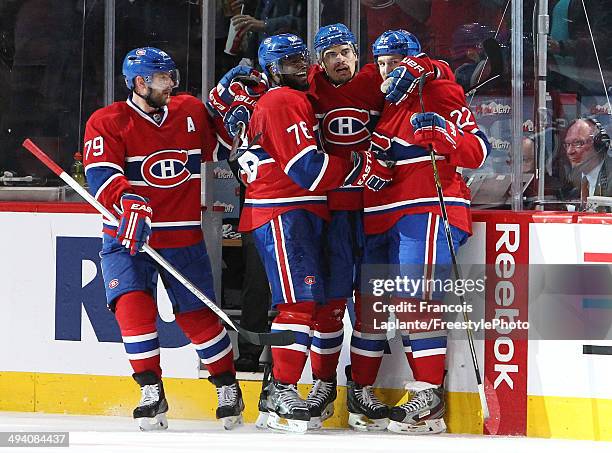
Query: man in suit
{"points": [[586, 146]]}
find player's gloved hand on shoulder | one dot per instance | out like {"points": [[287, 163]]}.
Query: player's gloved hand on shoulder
{"points": [[239, 113], [404, 80], [135, 222], [239, 78], [368, 171], [431, 128]]}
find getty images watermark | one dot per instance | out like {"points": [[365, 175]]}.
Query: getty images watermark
{"points": [[415, 304]]}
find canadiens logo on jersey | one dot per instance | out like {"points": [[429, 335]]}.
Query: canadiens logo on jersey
{"points": [[166, 168], [346, 126]]}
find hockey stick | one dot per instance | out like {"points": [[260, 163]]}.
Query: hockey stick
{"points": [[275, 339], [236, 143], [236, 152], [451, 247]]}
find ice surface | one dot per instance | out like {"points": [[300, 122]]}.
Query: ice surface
{"points": [[120, 434]]}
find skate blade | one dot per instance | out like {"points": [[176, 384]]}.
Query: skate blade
{"points": [[317, 422], [434, 426], [157, 423], [262, 420], [360, 422], [232, 422], [278, 423]]}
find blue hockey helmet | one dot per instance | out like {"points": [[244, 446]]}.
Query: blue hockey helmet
{"points": [[147, 61], [333, 35], [274, 49], [399, 42]]}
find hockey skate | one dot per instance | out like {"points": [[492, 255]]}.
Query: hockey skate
{"points": [[320, 401], [422, 414], [229, 396], [266, 360], [151, 410], [286, 410], [366, 411]]}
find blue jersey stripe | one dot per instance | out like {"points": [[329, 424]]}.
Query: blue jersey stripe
{"points": [[401, 152], [424, 344], [368, 345], [327, 343], [97, 176], [215, 349], [484, 138], [133, 169], [306, 170], [142, 346]]}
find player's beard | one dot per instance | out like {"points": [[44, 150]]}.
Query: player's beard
{"points": [[295, 82], [156, 98]]}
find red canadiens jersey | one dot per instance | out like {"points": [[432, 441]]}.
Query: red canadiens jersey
{"points": [[126, 151], [413, 190], [287, 170], [347, 115]]}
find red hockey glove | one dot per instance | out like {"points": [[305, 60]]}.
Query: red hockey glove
{"points": [[404, 80], [135, 222], [368, 171], [431, 128], [238, 79]]}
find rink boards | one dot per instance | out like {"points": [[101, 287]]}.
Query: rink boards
{"points": [[62, 349]]}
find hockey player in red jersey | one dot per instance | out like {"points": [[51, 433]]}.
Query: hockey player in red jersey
{"points": [[403, 228], [288, 177], [142, 160], [347, 103]]}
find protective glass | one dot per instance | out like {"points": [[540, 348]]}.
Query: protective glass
{"points": [[164, 80], [295, 63]]}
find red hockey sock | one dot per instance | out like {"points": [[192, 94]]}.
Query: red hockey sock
{"points": [[212, 343], [368, 341], [136, 313], [426, 351], [288, 361], [328, 335]]}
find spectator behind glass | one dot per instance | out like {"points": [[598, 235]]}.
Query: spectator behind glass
{"points": [[271, 17], [573, 64], [586, 147], [468, 55], [44, 83], [224, 11], [446, 16]]}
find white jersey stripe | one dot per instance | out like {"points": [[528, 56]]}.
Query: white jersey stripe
{"points": [[398, 204], [106, 183], [275, 237], [321, 173], [139, 338], [285, 200], [286, 258], [143, 355]]}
